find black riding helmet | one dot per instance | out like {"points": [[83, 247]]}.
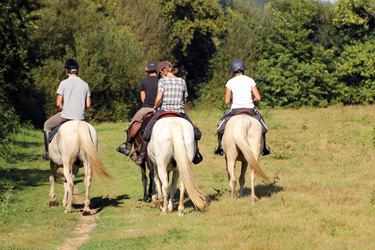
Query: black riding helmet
{"points": [[151, 66], [71, 65], [237, 66]]}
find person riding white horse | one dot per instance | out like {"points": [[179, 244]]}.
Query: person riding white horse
{"points": [[75, 93], [243, 141], [172, 95], [172, 148], [242, 88], [74, 146]]}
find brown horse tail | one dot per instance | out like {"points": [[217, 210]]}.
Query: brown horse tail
{"points": [[88, 146], [184, 167], [240, 134]]}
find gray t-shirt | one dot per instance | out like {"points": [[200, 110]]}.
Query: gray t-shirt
{"points": [[74, 91]]}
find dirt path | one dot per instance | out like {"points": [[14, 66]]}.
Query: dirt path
{"points": [[83, 229]]}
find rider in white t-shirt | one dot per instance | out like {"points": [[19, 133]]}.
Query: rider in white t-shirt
{"points": [[242, 87]]}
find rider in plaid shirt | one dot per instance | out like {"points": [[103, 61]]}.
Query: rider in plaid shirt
{"points": [[172, 96]]}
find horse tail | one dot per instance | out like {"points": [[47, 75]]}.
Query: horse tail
{"points": [[183, 165], [89, 149], [240, 134]]}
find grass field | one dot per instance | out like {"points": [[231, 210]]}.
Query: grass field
{"points": [[322, 194]]}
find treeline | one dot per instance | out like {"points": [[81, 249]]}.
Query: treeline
{"points": [[300, 52]]}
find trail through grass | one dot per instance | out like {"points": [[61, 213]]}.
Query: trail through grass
{"points": [[322, 194]]}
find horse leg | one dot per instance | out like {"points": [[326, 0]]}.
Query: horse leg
{"points": [[172, 190], [68, 187], [242, 177], [144, 181], [52, 179], [231, 166], [252, 180], [181, 206], [157, 201], [151, 187], [88, 174], [162, 172]]}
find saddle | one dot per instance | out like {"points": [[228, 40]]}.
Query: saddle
{"points": [[166, 114], [136, 126], [244, 112], [53, 133], [55, 130]]}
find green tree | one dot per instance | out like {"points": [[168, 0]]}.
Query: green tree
{"points": [[192, 25]]}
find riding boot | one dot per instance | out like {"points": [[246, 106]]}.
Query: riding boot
{"points": [[219, 149], [266, 149], [198, 157], [128, 145], [141, 157], [46, 143]]}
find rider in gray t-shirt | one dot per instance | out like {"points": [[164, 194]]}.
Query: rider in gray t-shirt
{"points": [[76, 95]]}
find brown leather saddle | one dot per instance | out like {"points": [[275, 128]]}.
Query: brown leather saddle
{"points": [[166, 114], [244, 112], [136, 126]]}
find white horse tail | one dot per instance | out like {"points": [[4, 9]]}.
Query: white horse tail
{"points": [[89, 149], [240, 134], [184, 167]]}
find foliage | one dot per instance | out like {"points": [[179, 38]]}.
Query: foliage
{"points": [[356, 72], [192, 25], [109, 57], [242, 40], [355, 18]]}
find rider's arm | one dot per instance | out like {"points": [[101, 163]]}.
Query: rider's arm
{"points": [[59, 102], [143, 96], [256, 94], [158, 98], [88, 102], [227, 96]]}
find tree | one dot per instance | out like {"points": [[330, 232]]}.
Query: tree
{"points": [[192, 25]]}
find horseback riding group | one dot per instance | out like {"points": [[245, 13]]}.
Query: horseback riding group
{"points": [[163, 135]]}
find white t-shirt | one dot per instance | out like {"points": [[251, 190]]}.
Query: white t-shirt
{"points": [[74, 91], [241, 87]]}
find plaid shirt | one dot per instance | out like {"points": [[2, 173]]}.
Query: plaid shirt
{"points": [[174, 90]]}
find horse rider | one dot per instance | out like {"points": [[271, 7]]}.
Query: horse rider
{"points": [[75, 93], [148, 90], [242, 88], [172, 95]]}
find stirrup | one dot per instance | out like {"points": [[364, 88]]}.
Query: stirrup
{"points": [[124, 150], [45, 156], [219, 151], [266, 151], [197, 158]]}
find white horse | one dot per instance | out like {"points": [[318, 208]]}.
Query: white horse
{"points": [[74, 146], [242, 141], [172, 148]]}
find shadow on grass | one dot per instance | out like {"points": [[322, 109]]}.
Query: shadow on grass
{"points": [[266, 190], [25, 177], [99, 203]]}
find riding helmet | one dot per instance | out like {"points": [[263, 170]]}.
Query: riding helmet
{"points": [[237, 65], [71, 64], [162, 65], [151, 66]]}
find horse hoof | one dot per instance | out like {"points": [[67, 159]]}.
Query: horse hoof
{"points": [[86, 212], [181, 213], [53, 203]]}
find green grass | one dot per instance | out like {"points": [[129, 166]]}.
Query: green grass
{"points": [[322, 194]]}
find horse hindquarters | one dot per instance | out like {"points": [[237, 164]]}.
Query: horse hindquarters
{"points": [[183, 165]]}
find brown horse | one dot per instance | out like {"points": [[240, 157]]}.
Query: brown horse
{"points": [[150, 193]]}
